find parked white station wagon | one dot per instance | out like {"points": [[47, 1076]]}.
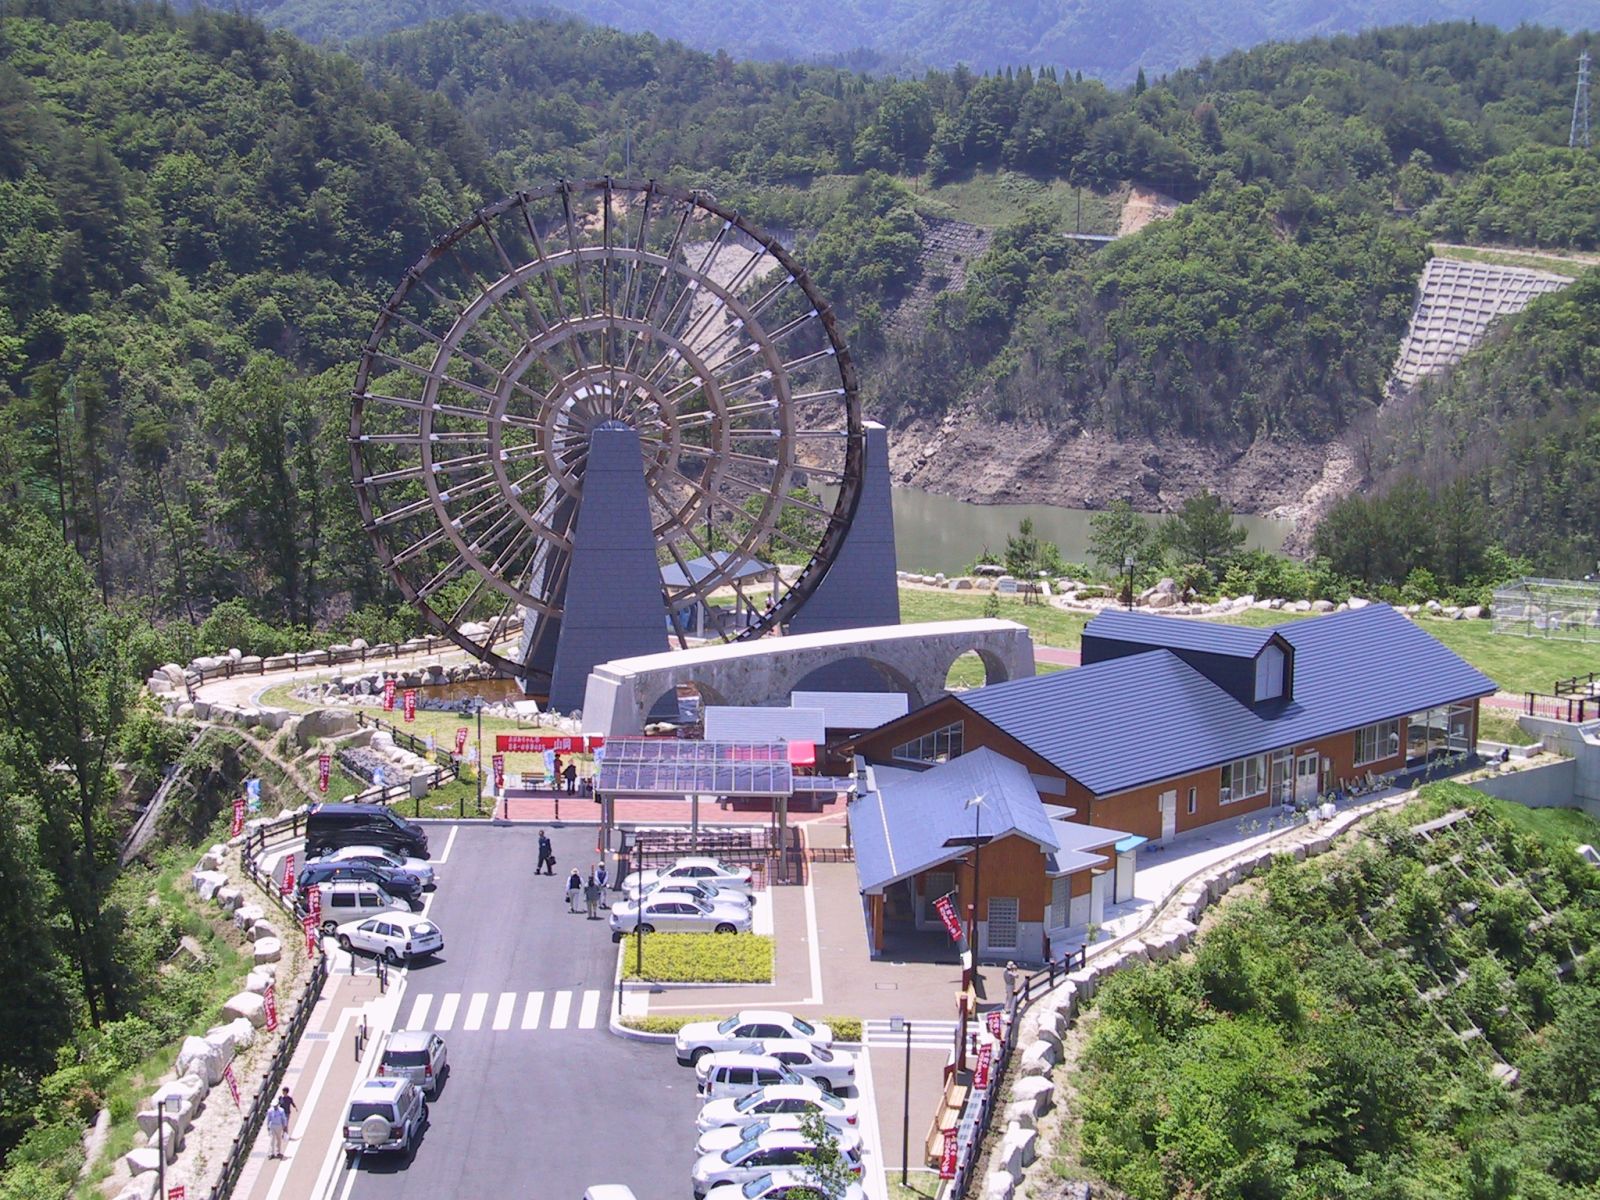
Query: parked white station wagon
{"points": [[795, 1100], [745, 1030], [706, 870], [394, 936]]}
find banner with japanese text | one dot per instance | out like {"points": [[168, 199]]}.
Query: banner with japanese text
{"points": [[324, 770], [388, 695], [947, 913], [994, 1021], [411, 704], [310, 925], [287, 888], [238, 816], [270, 996], [461, 739], [983, 1066], [947, 1156], [233, 1084], [499, 761], [538, 743]]}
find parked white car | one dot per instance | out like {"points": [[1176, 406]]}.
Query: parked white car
{"points": [[778, 1185], [734, 1073], [715, 1141], [417, 1055], [419, 868], [744, 1030], [349, 900], [711, 893], [384, 1114], [832, 1070], [708, 870], [682, 915], [756, 1157], [395, 936], [792, 1100]]}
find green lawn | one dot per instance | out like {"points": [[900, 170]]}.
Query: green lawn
{"points": [[996, 198], [1497, 725], [1049, 626], [1560, 826]]}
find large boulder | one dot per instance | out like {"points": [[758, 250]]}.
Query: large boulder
{"points": [[1161, 600], [1036, 1091], [207, 883], [246, 915], [244, 1033], [999, 1185], [247, 1005], [259, 980], [262, 930], [229, 898], [142, 1187], [141, 1161], [1322, 606], [269, 950], [200, 1057], [221, 1039]]}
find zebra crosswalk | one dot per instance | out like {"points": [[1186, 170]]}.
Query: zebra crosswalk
{"points": [[558, 1010], [925, 1035]]}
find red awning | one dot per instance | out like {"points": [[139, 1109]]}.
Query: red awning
{"points": [[802, 754]]}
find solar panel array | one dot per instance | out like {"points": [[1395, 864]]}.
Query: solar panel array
{"points": [[680, 767]]}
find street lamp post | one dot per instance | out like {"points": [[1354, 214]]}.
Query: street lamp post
{"points": [[897, 1025], [168, 1109], [977, 840], [1127, 565], [478, 766]]}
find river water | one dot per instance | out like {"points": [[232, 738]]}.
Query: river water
{"points": [[937, 533]]}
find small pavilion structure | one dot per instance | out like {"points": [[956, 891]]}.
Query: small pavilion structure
{"points": [[705, 613]]}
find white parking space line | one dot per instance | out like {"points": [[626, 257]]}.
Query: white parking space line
{"points": [[559, 1008], [475, 1007], [589, 1010], [447, 1012], [419, 1012], [530, 1014], [873, 1180], [503, 1010], [448, 843]]}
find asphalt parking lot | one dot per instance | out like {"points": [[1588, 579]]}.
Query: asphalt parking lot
{"points": [[541, 1100]]}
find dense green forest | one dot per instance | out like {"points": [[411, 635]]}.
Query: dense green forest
{"points": [[1101, 38], [1344, 1031]]}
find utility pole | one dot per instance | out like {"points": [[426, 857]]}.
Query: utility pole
{"points": [[1578, 138]]}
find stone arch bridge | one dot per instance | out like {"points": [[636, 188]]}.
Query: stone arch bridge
{"points": [[913, 659]]}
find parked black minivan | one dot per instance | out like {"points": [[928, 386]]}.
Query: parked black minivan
{"points": [[332, 826]]}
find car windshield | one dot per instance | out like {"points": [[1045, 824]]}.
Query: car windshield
{"points": [[748, 1103], [789, 1076], [360, 1110], [821, 1055], [700, 904], [831, 1101], [805, 1027], [757, 1187], [726, 1025]]}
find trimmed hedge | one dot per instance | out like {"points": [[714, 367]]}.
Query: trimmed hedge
{"points": [[845, 1029], [700, 958]]}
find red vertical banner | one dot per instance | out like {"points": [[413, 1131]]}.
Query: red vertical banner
{"points": [[411, 704], [947, 914], [271, 998], [176, 1192], [233, 1084], [388, 695], [461, 739], [993, 1020], [310, 925], [287, 887], [238, 816], [499, 761], [314, 904], [947, 1156], [324, 770], [984, 1065]]}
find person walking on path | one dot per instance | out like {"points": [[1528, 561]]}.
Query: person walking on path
{"points": [[574, 888], [600, 878], [286, 1102], [277, 1131], [591, 898], [547, 858]]}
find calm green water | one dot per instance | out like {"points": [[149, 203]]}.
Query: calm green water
{"points": [[935, 533]]}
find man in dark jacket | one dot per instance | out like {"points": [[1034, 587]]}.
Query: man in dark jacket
{"points": [[547, 857]]}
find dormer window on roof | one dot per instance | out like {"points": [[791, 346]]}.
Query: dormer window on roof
{"points": [[1269, 673]]}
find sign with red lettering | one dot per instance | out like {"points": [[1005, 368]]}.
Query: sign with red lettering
{"points": [[947, 914], [175, 1192], [324, 770], [538, 743], [499, 761], [411, 704], [461, 738], [233, 1084], [947, 1156], [388, 695], [314, 902], [993, 1021], [983, 1066], [310, 924], [287, 887], [271, 998], [238, 816]]}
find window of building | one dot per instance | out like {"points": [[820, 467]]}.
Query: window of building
{"points": [[1001, 928], [1377, 742], [1281, 777], [1191, 801], [1243, 779], [939, 746], [1060, 900], [1269, 673]]}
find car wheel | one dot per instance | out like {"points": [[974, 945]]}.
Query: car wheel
{"points": [[647, 929], [697, 1054], [725, 927], [390, 957], [328, 927], [344, 941]]}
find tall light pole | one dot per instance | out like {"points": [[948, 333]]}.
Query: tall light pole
{"points": [[977, 840], [1127, 565], [478, 766], [167, 1109], [897, 1025]]}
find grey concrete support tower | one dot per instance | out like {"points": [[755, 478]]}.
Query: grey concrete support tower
{"points": [[612, 606], [860, 588]]}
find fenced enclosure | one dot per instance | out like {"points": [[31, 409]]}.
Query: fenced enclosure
{"points": [[1560, 609]]}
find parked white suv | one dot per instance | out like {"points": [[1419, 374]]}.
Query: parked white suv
{"points": [[746, 1030], [384, 1114], [345, 900]]}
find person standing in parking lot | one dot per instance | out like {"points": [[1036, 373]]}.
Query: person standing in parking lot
{"points": [[591, 898], [574, 889], [600, 878], [547, 858]]}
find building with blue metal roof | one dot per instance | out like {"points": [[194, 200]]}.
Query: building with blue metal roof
{"points": [[1172, 723], [975, 829]]}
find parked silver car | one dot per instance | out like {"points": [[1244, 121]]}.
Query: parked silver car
{"points": [[417, 1055], [684, 914], [419, 869]]}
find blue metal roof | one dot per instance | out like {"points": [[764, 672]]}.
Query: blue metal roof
{"points": [[901, 829], [1174, 633], [854, 710], [1135, 720], [726, 723], [708, 565]]}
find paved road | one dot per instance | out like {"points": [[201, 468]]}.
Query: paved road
{"points": [[541, 1100]]}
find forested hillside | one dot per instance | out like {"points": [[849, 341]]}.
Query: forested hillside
{"points": [[1101, 38]]}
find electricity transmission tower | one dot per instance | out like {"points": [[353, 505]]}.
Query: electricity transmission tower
{"points": [[1580, 106]]}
